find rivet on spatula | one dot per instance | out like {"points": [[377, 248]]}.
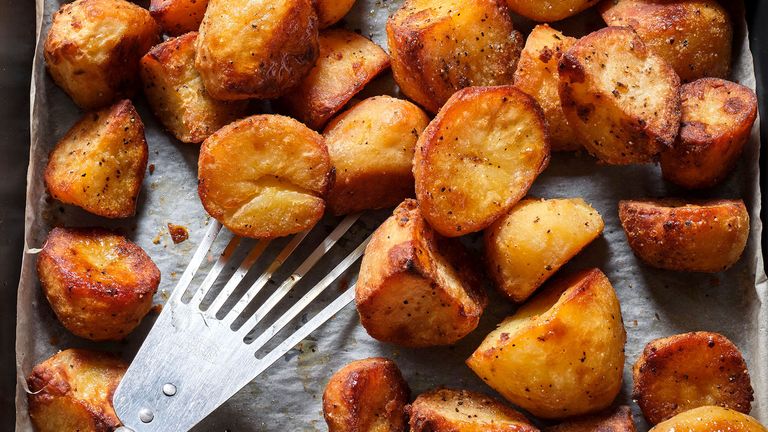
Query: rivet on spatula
{"points": [[169, 389], [146, 415]]}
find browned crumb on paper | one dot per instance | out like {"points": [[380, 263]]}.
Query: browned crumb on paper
{"points": [[179, 233], [151, 169]]}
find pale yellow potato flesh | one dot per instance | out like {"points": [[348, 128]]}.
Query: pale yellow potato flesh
{"points": [[710, 419]]}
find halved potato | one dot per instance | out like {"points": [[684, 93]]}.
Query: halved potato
{"points": [[416, 289], [329, 12], [371, 146], [264, 176], [447, 410], [549, 10], [690, 370], [347, 62], [530, 243], [366, 395], [717, 118], [478, 157], [617, 420], [439, 47], [176, 93], [621, 100], [99, 164], [693, 36], [537, 75], [562, 353], [72, 391], [177, 17], [698, 236], [710, 419], [93, 49]]}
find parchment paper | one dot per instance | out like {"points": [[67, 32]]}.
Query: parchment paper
{"points": [[654, 303]]}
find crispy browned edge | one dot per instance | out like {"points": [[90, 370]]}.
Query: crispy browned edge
{"points": [[611, 420], [175, 19]]}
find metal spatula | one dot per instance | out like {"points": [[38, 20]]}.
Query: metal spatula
{"points": [[196, 357]]}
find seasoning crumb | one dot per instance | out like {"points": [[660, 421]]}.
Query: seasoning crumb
{"points": [[156, 240], [178, 233], [151, 169]]}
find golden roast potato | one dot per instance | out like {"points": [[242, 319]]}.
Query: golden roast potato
{"points": [[549, 10], [617, 420], [562, 353], [177, 17], [329, 12], [710, 419]]}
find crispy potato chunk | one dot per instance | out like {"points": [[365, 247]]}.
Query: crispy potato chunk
{"points": [[177, 17], [347, 62], [329, 12], [537, 75], [710, 419], [686, 236], [415, 288], [621, 100], [99, 164], [264, 176], [366, 395], [257, 49], [717, 118], [549, 10], [447, 410], [99, 284], [440, 46], [176, 93], [478, 157], [694, 36], [72, 391], [562, 353], [93, 49], [618, 420], [371, 146], [531, 242], [690, 370]]}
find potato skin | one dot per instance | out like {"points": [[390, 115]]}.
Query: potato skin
{"points": [[99, 164], [72, 391], [690, 370], [697, 236], [542, 358], [177, 95], [415, 288], [366, 395], [710, 419], [618, 420], [177, 17], [257, 49], [549, 10], [93, 48], [329, 12], [439, 47], [694, 36], [717, 118]]}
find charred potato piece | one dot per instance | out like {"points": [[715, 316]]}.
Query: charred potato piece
{"points": [[99, 164], [371, 146], [562, 353], [93, 48], [439, 47], [621, 100], [537, 75], [177, 17], [694, 36], [176, 93], [690, 370], [257, 49], [531, 242], [710, 419], [329, 12], [416, 289], [72, 391], [447, 410], [478, 157], [366, 395], [549, 10], [275, 184], [677, 235], [618, 420], [347, 62], [717, 118]]}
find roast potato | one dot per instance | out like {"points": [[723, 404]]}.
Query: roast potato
{"points": [[99, 164], [549, 10], [697, 236], [93, 48], [690, 370], [440, 46], [447, 410], [478, 157], [710, 419], [694, 36], [530, 243], [366, 395], [177, 17], [371, 146], [618, 420], [177, 95], [347, 62], [329, 12], [717, 118], [415, 288], [257, 49], [72, 391], [562, 353], [537, 75], [621, 100], [275, 184]]}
